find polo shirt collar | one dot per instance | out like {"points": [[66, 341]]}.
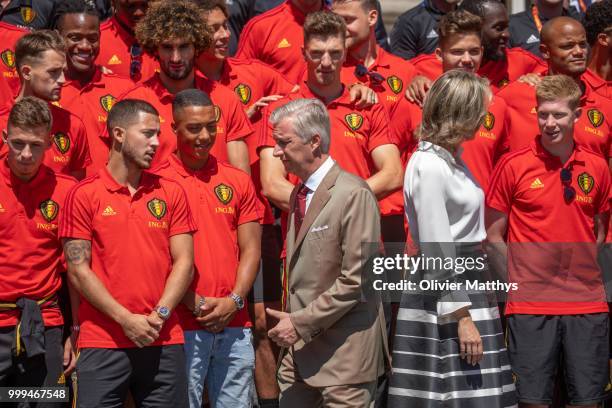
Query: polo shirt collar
{"points": [[12, 181], [343, 99], [175, 162], [593, 80], [146, 180], [123, 29], [379, 61], [95, 81], [539, 151], [162, 92]]}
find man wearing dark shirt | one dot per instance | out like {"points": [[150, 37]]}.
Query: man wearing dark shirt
{"points": [[415, 32], [525, 26], [27, 13]]}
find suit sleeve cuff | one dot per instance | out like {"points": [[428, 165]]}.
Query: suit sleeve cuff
{"points": [[306, 331]]}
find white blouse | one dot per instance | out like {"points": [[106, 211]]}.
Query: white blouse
{"points": [[444, 203]]}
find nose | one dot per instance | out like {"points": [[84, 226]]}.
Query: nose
{"points": [[204, 136], [154, 141], [84, 45], [225, 33], [26, 152], [505, 34], [61, 79], [466, 58], [176, 55], [326, 60], [550, 121]]}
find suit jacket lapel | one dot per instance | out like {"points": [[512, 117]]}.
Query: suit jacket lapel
{"points": [[320, 198]]}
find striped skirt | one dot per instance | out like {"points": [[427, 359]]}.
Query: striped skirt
{"points": [[427, 369]]}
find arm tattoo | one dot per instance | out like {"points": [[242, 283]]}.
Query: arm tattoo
{"points": [[77, 251]]}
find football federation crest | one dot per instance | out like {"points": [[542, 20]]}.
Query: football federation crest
{"points": [[395, 84], [354, 121], [107, 102], [244, 93], [217, 113], [595, 117], [586, 182], [62, 142], [503, 83], [8, 58], [49, 209], [489, 121], [27, 14], [157, 208], [224, 193]]}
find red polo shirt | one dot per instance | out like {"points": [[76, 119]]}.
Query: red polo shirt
{"points": [[115, 44], [130, 248], [30, 249], [598, 84], [222, 198], [69, 150], [276, 38], [518, 62], [9, 80], [397, 73], [591, 131], [552, 255], [232, 123], [92, 102]]}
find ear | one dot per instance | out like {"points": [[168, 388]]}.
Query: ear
{"points": [[578, 113], [372, 17], [438, 53], [544, 51], [4, 136], [173, 127], [25, 72], [118, 135], [315, 142], [603, 39]]}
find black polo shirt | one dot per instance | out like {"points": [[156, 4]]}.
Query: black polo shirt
{"points": [[32, 14]]}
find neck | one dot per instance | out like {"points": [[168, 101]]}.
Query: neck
{"points": [[82, 77], [443, 6], [563, 151], [601, 63], [314, 166], [576, 77], [24, 91], [367, 52], [177, 85], [549, 11], [125, 173], [211, 67], [307, 9], [326, 93], [192, 163]]}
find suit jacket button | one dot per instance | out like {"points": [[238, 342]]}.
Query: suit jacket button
{"points": [[292, 291]]}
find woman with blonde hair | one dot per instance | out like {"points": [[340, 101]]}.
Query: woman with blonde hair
{"points": [[449, 346]]}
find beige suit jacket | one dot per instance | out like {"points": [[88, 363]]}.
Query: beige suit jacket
{"points": [[343, 335]]}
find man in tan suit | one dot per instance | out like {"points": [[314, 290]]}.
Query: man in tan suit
{"points": [[333, 335]]}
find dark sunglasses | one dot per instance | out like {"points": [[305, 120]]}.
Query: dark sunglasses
{"points": [[566, 179], [135, 60], [375, 77]]}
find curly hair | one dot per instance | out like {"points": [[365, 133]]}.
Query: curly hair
{"points": [[209, 5], [173, 19], [597, 19]]}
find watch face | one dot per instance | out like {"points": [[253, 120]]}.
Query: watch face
{"points": [[164, 311]]}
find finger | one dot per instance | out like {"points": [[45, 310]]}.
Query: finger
{"points": [[67, 355], [410, 95], [462, 348], [274, 313], [480, 351]]}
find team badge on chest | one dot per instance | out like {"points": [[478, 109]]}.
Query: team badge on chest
{"points": [[62, 142], [244, 93], [224, 193], [107, 102], [49, 210], [354, 121], [395, 84], [157, 208], [489, 121], [595, 117], [586, 182]]}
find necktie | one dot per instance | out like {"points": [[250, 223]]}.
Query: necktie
{"points": [[300, 207]]}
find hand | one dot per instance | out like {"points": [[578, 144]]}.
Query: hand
{"points": [[362, 96], [155, 321], [138, 329], [69, 355], [217, 313], [418, 89], [263, 101], [530, 79], [283, 334], [470, 343], [106, 70]]}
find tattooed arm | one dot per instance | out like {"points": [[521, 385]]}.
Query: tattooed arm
{"points": [[78, 257]]}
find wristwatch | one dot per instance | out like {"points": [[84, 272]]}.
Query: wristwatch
{"points": [[237, 300], [197, 312], [163, 312]]}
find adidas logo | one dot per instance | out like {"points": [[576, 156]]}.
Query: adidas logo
{"points": [[114, 60], [108, 211], [532, 39], [432, 34], [537, 183], [283, 44], [533, 111]]}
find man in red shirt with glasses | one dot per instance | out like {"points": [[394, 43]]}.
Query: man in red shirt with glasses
{"points": [[120, 52], [548, 208]]}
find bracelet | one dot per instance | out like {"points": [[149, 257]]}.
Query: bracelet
{"points": [[197, 312]]}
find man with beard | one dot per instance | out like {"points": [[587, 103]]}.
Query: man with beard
{"points": [[121, 51], [129, 250], [500, 65], [175, 34], [598, 27], [40, 58], [88, 92], [564, 47]]}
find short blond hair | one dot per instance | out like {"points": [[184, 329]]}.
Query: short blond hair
{"points": [[554, 88], [454, 108]]}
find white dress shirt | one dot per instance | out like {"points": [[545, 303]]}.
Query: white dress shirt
{"points": [[444, 203], [316, 178]]}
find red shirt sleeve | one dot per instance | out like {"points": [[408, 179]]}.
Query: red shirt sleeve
{"points": [[247, 44], [181, 221], [238, 125], [81, 157], [280, 85], [602, 203], [76, 220], [380, 133], [250, 209], [501, 188], [403, 126]]}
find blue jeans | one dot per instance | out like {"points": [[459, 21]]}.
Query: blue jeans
{"points": [[225, 361]]}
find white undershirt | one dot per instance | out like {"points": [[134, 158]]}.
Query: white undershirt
{"points": [[316, 178]]}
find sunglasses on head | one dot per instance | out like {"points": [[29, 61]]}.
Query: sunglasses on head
{"points": [[375, 77], [135, 60], [566, 179]]}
